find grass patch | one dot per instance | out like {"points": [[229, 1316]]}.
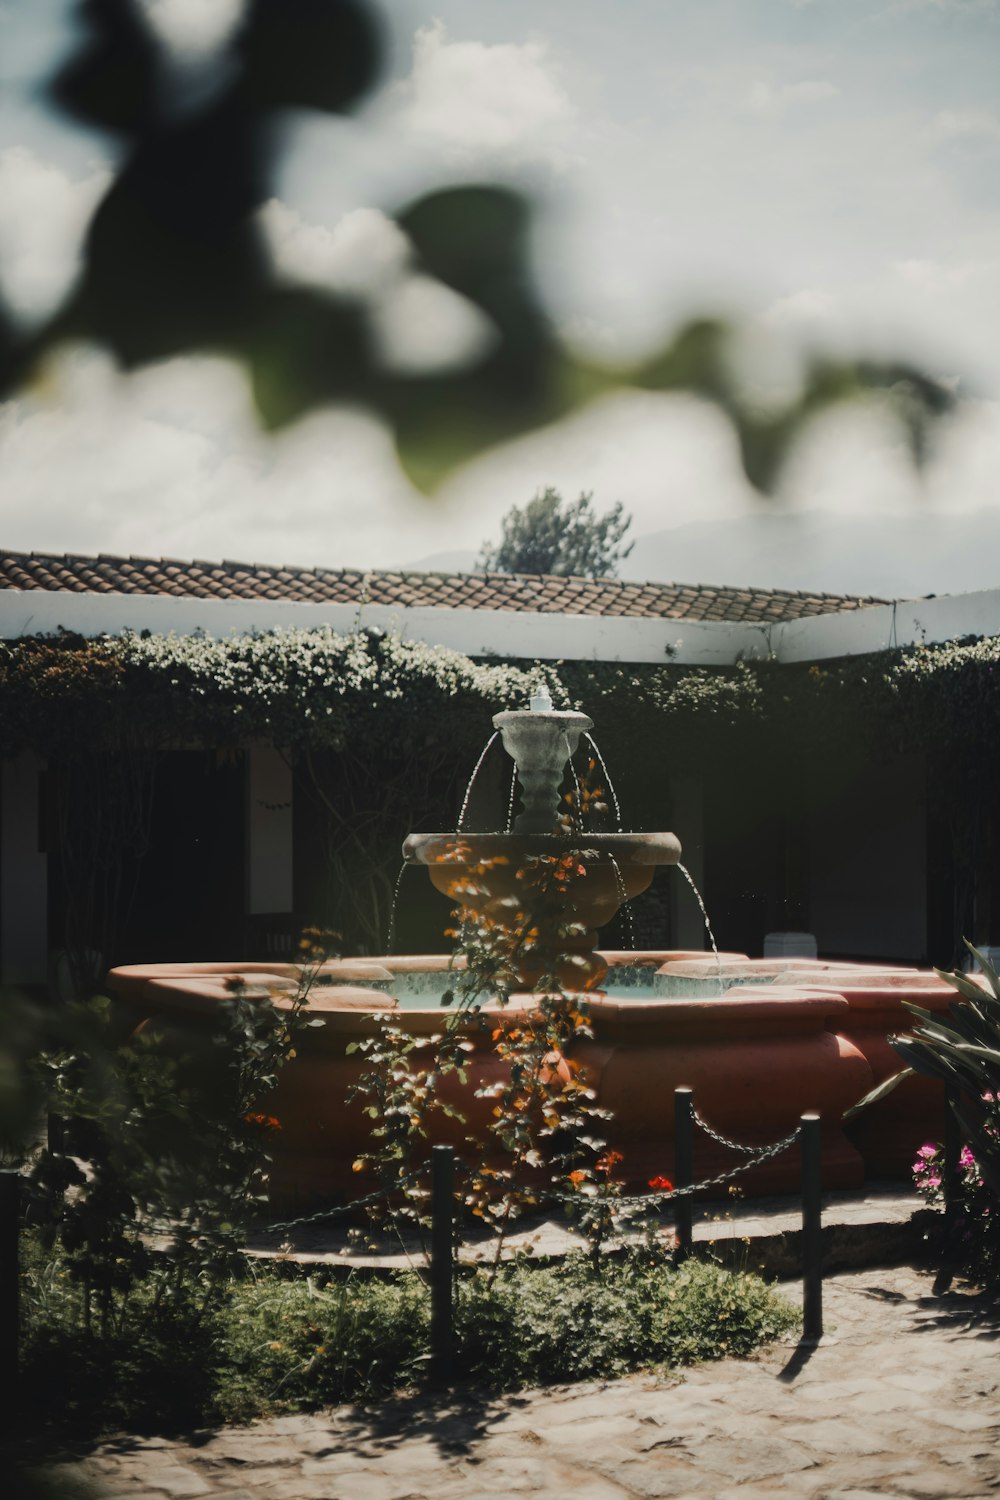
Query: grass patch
{"points": [[281, 1341]]}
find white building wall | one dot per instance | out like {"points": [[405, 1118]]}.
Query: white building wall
{"points": [[269, 832], [517, 634]]}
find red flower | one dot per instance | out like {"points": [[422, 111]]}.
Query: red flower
{"points": [[607, 1161], [661, 1184]]}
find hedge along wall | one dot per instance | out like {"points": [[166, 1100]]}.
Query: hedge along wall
{"points": [[383, 734]]}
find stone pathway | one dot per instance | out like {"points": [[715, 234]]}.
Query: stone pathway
{"points": [[881, 1222], [902, 1399]]}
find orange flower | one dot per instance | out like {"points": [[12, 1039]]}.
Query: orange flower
{"points": [[577, 1177], [267, 1122]]}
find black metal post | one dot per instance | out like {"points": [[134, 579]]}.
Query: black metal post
{"points": [[684, 1169], [10, 1273], [812, 1229], [442, 1262], [952, 1153]]}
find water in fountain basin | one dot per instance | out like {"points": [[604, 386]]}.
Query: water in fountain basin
{"points": [[610, 784], [708, 926], [424, 991], [639, 981], [472, 778]]}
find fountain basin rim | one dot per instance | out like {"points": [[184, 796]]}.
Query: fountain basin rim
{"points": [[883, 1000], [602, 848], [561, 718], [352, 1008]]}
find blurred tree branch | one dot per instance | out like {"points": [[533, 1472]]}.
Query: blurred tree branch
{"points": [[175, 261]]}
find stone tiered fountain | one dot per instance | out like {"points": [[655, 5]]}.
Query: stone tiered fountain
{"points": [[484, 873], [781, 1038]]}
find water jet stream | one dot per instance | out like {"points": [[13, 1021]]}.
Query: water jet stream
{"points": [[607, 777], [624, 909], [510, 800], [475, 773], [391, 935], [576, 783], [708, 926]]}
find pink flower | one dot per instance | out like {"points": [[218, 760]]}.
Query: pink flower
{"points": [[934, 1181], [966, 1159], [928, 1152]]}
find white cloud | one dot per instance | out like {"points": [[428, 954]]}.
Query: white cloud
{"points": [[169, 462], [364, 252], [855, 460], [45, 217], [473, 97], [421, 324], [964, 8], [668, 459], [193, 26], [930, 275], [965, 124], [772, 102], [802, 309]]}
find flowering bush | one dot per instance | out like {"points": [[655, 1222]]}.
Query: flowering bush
{"points": [[973, 1238]]}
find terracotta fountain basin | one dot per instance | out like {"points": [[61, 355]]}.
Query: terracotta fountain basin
{"points": [[757, 1057]]}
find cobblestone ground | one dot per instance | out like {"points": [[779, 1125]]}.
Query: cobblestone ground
{"points": [[901, 1399]]}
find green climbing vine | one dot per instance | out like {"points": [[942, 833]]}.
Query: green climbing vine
{"points": [[382, 731]]}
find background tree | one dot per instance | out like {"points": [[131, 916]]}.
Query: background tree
{"points": [[552, 536]]}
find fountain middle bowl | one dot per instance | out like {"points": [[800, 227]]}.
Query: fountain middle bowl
{"points": [[591, 875]]}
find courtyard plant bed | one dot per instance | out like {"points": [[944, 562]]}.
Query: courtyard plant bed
{"points": [[140, 1310], [278, 1340]]}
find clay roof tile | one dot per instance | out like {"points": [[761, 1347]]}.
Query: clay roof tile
{"points": [[535, 592]]}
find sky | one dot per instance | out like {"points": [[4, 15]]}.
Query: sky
{"points": [[826, 171]]}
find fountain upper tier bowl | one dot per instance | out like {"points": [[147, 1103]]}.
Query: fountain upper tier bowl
{"points": [[571, 881]]}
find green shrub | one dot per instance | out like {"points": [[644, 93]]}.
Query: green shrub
{"points": [[151, 1369], [535, 1327], [293, 1345], [281, 1342]]}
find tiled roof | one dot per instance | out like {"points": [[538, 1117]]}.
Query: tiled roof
{"points": [[521, 592]]}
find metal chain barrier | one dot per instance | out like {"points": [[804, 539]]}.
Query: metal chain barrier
{"points": [[755, 1156], [666, 1195], [339, 1210], [762, 1154], [722, 1140]]}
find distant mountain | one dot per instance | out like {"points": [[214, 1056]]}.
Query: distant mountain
{"points": [[444, 562], [888, 556], [892, 557]]}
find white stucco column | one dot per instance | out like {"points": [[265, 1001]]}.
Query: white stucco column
{"points": [[269, 832], [24, 890], [687, 922]]}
